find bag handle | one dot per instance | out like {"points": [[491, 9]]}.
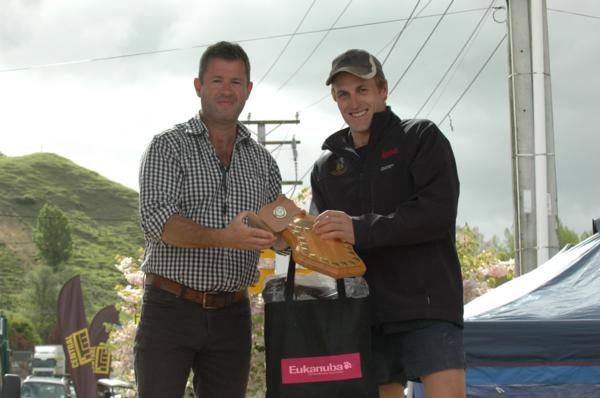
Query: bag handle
{"points": [[291, 277]]}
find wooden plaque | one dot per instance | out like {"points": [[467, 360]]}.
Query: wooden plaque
{"points": [[330, 257]]}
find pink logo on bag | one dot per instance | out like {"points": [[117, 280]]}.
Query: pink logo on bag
{"points": [[317, 369]]}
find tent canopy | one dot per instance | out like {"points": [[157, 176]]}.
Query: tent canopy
{"points": [[541, 329], [563, 288]]}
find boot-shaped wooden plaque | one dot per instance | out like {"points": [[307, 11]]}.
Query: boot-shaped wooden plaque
{"points": [[330, 257]]}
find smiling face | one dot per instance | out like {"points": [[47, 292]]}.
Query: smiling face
{"points": [[223, 90], [358, 100]]}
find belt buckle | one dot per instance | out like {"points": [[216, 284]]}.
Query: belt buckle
{"points": [[206, 306]]}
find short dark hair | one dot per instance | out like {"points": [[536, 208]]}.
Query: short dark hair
{"points": [[224, 50]]}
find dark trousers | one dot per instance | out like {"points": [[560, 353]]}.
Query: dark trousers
{"points": [[175, 336]]}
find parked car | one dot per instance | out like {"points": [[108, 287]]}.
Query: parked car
{"points": [[47, 387], [113, 388]]}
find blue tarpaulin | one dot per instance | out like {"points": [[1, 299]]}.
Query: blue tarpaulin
{"points": [[539, 334]]}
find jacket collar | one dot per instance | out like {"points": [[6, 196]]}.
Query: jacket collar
{"points": [[378, 124]]}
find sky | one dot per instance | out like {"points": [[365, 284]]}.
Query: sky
{"points": [[94, 81]]}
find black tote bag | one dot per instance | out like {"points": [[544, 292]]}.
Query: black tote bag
{"points": [[317, 348]]}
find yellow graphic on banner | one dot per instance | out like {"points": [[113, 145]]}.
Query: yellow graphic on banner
{"points": [[266, 267], [101, 359], [78, 348]]}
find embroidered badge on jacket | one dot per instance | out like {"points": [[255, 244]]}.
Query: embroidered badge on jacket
{"points": [[340, 167]]}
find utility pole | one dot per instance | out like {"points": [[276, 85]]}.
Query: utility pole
{"points": [[532, 138], [261, 138]]}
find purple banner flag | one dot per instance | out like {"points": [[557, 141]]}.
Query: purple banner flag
{"points": [[99, 337], [76, 338]]}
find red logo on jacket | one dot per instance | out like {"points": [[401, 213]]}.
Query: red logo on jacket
{"points": [[389, 152]]}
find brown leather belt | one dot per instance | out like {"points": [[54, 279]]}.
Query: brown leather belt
{"points": [[208, 300]]}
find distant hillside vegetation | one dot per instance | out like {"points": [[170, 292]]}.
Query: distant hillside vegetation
{"points": [[103, 216]]}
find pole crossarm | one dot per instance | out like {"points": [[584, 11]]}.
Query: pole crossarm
{"points": [[261, 138]]}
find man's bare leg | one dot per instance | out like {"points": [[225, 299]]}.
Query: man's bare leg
{"points": [[444, 384], [392, 390]]}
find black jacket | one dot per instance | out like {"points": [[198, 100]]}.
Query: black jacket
{"points": [[403, 202]]}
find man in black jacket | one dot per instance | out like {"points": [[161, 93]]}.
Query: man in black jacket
{"points": [[390, 187]]}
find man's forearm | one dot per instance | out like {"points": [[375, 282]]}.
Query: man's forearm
{"points": [[183, 232]]}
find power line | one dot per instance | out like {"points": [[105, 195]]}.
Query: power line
{"points": [[448, 80], [315, 103], [456, 69], [273, 129], [315, 48], [408, 22], [260, 38], [293, 189], [573, 13], [277, 148], [288, 42], [401, 31], [487, 9], [422, 47], [474, 79], [394, 39], [483, 17]]}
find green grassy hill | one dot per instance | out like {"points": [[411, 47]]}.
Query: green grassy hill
{"points": [[102, 214]]}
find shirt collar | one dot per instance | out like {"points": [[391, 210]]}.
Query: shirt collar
{"points": [[197, 126]]}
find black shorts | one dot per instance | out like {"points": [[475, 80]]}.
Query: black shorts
{"points": [[416, 352]]}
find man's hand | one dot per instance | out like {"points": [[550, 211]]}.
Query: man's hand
{"points": [[238, 235], [280, 244], [180, 231], [333, 224]]}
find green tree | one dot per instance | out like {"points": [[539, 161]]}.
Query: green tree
{"points": [[566, 236], [22, 335], [508, 251], [585, 234], [481, 267], [52, 235], [470, 252], [40, 299]]}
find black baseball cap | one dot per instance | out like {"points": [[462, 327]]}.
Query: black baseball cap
{"points": [[357, 62]]}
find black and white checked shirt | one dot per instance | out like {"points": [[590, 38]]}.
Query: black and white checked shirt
{"points": [[181, 174]]}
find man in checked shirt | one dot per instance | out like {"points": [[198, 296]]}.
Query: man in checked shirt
{"points": [[198, 181]]}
